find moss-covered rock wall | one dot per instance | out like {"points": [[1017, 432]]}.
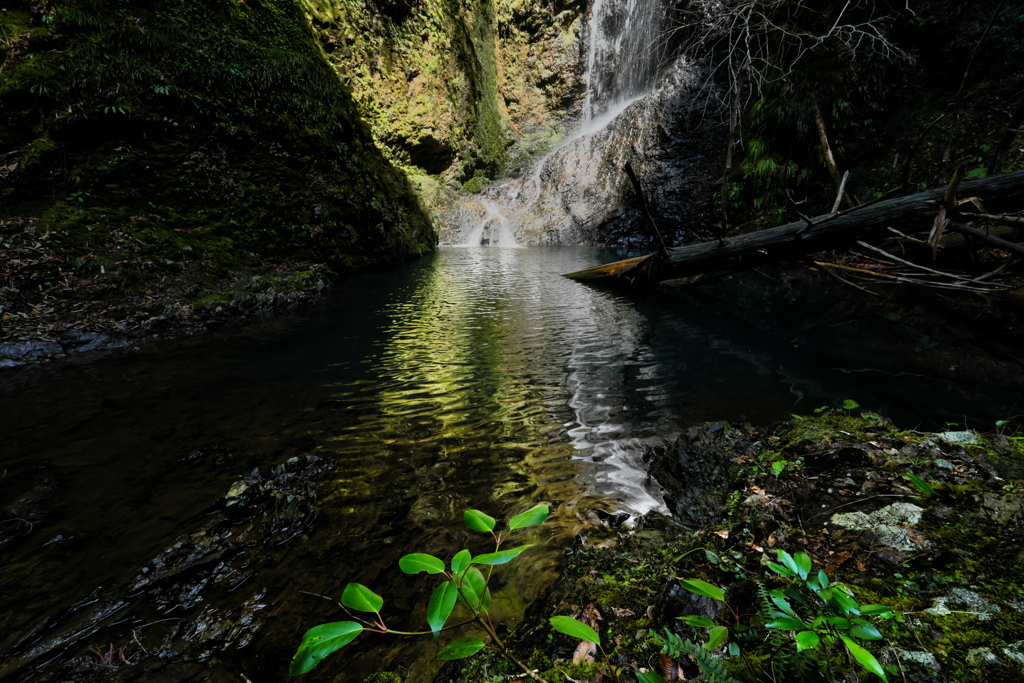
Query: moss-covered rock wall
{"points": [[183, 142], [462, 90]]}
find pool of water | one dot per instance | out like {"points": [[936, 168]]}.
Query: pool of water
{"points": [[475, 377]]}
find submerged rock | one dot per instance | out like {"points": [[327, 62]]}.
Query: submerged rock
{"points": [[182, 593]]}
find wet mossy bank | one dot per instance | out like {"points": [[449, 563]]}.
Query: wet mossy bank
{"points": [[949, 559], [165, 166]]}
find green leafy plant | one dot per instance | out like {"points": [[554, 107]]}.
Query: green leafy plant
{"points": [[577, 629], [816, 615], [465, 584]]}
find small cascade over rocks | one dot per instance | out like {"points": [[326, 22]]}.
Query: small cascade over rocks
{"points": [[494, 229], [642, 105]]}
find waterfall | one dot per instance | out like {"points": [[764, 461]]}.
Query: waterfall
{"points": [[493, 230], [624, 54], [629, 110]]}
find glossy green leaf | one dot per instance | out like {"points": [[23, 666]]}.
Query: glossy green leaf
{"points": [[786, 623], [865, 630], [461, 561], [697, 622], [648, 677], [780, 570], [920, 483], [703, 588], [734, 649], [850, 404], [822, 579], [359, 597], [534, 515], [460, 648], [716, 637], [845, 602], [478, 521], [807, 640], [574, 628], [501, 557], [421, 562], [474, 588], [835, 622], [320, 641], [790, 563], [803, 564], [877, 610], [442, 602], [864, 657], [783, 605]]}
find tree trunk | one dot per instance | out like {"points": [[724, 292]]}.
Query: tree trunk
{"points": [[911, 214], [914, 213], [826, 150]]}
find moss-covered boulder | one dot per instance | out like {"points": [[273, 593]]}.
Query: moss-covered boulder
{"points": [[182, 142]]}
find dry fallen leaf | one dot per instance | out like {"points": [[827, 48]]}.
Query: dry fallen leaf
{"points": [[723, 534], [584, 653], [670, 668]]}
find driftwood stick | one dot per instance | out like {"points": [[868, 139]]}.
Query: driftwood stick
{"points": [[828, 271], [998, 219], [914, 265], [646, 212], [839, 195], [996, 242]]}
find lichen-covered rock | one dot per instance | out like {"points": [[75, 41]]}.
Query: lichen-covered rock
{"points": [[888, 526]]}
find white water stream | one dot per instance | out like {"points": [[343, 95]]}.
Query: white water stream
{"points": [[579, 186]]}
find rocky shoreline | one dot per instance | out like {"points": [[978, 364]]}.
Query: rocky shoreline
{"points": [[52, 309], [948, 557], [927, 524]]}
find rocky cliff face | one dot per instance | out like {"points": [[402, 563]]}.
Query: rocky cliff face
{"points": [[169, 149], [463, 90]]}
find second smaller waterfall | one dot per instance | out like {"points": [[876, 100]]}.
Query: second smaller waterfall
{"points": [[493, 230]]}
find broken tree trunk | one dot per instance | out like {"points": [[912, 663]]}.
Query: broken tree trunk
{"points": [[911, 214]]}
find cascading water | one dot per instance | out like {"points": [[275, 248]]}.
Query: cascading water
{"points": [[623, 56], [494, 229], [638, 105]]}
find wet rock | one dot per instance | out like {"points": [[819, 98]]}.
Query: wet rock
{"points": [[13, 354], [692, 470], [888, 526], [258, 508], [613, 520], [1015, 653], [676, 601], [958, 438], [982, 655], [180, 592], [922, 657], [1003, 509], [963, 600]]}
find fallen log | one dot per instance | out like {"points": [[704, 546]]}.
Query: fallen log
{"points": [[910, 214]]}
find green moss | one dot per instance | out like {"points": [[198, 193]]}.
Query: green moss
{"points": [[195, 140], [383, 677]]}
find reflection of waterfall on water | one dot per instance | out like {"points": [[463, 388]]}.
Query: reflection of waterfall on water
{"points": [[494, 230]]}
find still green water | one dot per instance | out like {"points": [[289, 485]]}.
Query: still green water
{"points": [[473, 378]]}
